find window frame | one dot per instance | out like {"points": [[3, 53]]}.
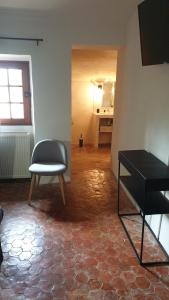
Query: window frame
{"points": [[24, 65]]}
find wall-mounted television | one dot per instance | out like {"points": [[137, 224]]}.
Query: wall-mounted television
{"points": [[154, 31]]}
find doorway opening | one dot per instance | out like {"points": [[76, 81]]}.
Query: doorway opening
{"points": [[93, 90]]}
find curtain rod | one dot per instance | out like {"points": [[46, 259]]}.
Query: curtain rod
{"points": [[21, 39]]}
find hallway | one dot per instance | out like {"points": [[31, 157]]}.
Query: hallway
{"points": [[77, 252]]}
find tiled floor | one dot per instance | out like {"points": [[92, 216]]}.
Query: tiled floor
{"points": [[77, 252]]}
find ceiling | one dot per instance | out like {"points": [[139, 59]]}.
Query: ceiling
{"points": [[95, 64], [50, 5], [31, 4]]}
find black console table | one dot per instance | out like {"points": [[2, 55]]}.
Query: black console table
{"points": [[148, 176]]}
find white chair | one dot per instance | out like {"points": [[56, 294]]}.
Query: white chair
{"points": [[49, 158]]}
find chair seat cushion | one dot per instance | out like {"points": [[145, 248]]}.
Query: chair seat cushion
{"points": [[47, 169]]}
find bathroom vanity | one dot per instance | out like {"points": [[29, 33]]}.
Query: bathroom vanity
{"points": [[102, 128]]}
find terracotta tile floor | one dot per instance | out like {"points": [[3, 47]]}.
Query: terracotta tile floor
{"points": [[77, 252]]}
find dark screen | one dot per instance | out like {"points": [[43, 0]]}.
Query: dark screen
{"points": [[154, 31]]}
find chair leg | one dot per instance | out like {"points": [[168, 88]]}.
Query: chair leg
{"points": [[31, 187], [37, 180], [61, 181]]}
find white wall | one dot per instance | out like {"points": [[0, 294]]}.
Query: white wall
{"points": [[141, 109], [51, 60], [82, 112]]}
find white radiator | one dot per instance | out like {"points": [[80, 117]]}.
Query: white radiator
{"points": [[15, 153]]}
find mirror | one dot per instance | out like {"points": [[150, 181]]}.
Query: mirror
{"points": [[103, 95], [107, 94]]}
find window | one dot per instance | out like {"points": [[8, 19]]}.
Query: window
{"points": [[15, 102]]}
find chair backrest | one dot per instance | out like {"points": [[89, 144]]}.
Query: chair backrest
{"points": [[50, 151]]}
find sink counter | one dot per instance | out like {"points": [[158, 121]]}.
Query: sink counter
{"points": [[104, 115]]}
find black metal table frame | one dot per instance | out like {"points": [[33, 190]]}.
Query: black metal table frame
{"points": [[144, 222], [1, 254]]}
